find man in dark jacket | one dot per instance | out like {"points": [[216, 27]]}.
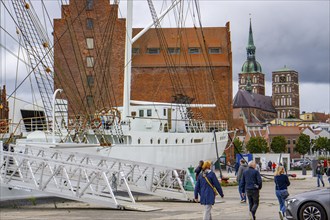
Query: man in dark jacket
{"points": [[207, 186], [199, 169], [250, 185], [239, 176]]}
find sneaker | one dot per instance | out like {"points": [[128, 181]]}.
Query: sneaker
{"points": [[281, 215], [243, 201]]}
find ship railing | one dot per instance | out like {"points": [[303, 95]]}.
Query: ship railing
{"points": [[197, 126], [25, 125]]}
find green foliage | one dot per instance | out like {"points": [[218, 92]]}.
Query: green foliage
{"points": [[238, 146], [257, 145], [278, 144], [322, 143], [303, 144]]}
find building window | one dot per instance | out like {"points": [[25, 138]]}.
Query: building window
{"points": [[149, 112], [288, 78], [141, 113], [90, 80], [90, 61], [89, 4], [135, 50], [89, 23], [153, 51], [243, 80], [166, 141], [90, 43], [293, 141], [288, 141], [164, 111], [289, 150], [139, 141], [90, 101], [254, 79], [173, 50], [194, 50], [215, 50], [151, 141]]}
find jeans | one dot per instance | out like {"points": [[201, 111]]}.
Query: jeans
{"points": [[253, 197], [207, 212], [240, 192], [281, 200], [319, 178]]}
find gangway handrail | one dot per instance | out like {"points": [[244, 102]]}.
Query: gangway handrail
{"points": [[87, 178]]}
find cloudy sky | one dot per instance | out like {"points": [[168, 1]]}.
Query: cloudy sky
{"points": [[292, 33]]}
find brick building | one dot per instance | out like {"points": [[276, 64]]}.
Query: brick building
{"points": [[4, 110], [89, 62], [285, 88], [291, 134]]}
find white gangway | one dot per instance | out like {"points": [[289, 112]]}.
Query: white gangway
{"points": [[88, 178]]}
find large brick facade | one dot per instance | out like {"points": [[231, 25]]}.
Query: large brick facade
{"points": [[198, 68]]}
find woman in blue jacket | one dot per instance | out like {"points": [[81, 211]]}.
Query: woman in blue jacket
{"points": [[281, 188], [207, 186]]}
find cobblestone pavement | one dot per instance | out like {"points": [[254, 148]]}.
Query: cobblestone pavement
{"points": [[229, 207]]}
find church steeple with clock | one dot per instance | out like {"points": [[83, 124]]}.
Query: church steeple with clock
{"points": [[285, 86], [252, 69]]}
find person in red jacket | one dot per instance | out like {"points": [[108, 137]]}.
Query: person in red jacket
{"points": [[274, 166]]}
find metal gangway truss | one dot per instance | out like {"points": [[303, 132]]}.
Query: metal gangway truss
{"points": [[88, 178]]}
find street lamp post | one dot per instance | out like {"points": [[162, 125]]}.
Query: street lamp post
{"points": [[54, 99]]}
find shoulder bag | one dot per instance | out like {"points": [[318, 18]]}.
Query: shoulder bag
{"points": [[214, 189]]}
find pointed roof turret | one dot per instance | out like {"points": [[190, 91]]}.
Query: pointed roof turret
{"points": [[251, 49], [251, 65]]}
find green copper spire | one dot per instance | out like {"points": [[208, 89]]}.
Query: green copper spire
{"points": [[251, 65], [251, 49]]}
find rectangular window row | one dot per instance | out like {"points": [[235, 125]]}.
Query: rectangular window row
{"points": [[176, 50]]}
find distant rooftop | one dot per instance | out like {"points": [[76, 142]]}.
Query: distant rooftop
{"points": [[245, 99], [284, 69]]}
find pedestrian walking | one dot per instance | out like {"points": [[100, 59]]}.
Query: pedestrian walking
{"points": [[250, 185], [319, 174], [241, 169], [229, 169], [281, 188], [236, 168], [207, 187], [198, 169], [269, 165], [274, 166], [328, 173]]}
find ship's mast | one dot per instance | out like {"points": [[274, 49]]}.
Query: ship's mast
{"points": [[128, 51], [128, 61]]}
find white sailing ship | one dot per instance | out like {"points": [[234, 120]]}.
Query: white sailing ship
{"points": [[152, 132]]}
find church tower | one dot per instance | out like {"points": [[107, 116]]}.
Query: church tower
{"points": [[251, 69], [285, 83]]}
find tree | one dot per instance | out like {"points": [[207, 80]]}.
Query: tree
{"points": [[257, 145], [321, 143], [238, 146], [278, 144], [303, 144]]}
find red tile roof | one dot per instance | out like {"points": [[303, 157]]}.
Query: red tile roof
{"points": [[284, 130]]}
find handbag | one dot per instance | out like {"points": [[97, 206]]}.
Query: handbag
{"points": [[284, 193]]}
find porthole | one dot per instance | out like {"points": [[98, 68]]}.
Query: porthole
{"points": [[183, 141], [139, 141], [166, 141], [176, 141], [191, 140], [159, 141], [151, 141]]}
